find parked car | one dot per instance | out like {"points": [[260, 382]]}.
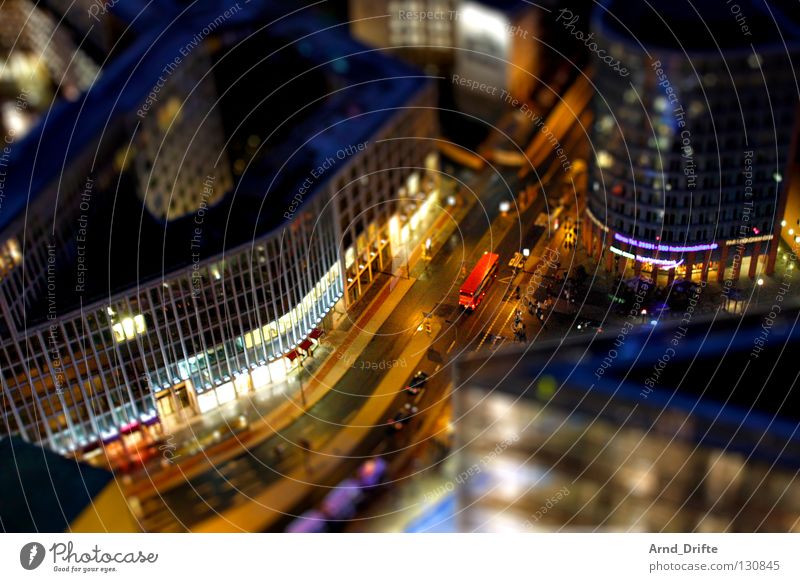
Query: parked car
{"points": [[401, 418], [311, 521], [342, 502], [372, 472], [417, 383]]}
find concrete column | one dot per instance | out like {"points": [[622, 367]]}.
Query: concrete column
{"points": [[689, 265], [723, 263], [706, 263], [754, 260], [772, 255], [737, 268]]}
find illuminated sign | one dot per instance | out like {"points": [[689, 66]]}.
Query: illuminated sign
{"points": [[666, 248], [660, 262], [752, 239]]}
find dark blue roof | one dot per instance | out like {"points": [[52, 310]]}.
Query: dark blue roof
{"points": [[43, 491], [700, 26], [361, 89], [736, 400], [69, 127]]}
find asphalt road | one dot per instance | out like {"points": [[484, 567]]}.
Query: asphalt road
{"points": [[435, 291]]}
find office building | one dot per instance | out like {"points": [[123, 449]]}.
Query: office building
{"points": [[693, 134], [121, 312]]}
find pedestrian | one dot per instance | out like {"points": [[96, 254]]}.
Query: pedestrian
{"points": [[278, 452]]}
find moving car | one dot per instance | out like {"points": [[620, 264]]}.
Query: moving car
{"points": [[402, 417], [417, 383]]}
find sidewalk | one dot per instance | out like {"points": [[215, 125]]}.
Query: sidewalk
{"points": [[277, 500]]}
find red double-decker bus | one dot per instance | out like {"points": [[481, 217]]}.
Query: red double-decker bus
{"points": [[474, 288]]}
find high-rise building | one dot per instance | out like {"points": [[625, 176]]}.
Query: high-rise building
{"points": [[695, 123], [497, 42], [40, 62], [119, 312]]}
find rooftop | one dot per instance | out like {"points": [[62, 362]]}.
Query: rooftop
{"points": [[700, 26], [330, 90], [737, 401]]}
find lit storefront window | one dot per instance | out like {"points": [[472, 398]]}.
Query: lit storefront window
{"points": [[129, 328]]}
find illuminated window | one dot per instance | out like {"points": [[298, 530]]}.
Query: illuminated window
{"points": [[129, 328], [168, 113]]}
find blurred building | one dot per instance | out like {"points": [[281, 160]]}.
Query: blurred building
{"points": [[684, 429], [500, 45], [40, 62], [694, 130], [421, 31], [497, 42], [170, 245], [43, 492]]}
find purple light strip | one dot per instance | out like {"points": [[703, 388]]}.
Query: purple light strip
{"points": [[661, 262], [668, 248]]}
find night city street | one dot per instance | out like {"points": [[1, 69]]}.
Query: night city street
{"points": [[400, 267]]}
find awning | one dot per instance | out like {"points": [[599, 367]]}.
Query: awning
{"points": [[305, 345], [130, 427], [316, 333]]}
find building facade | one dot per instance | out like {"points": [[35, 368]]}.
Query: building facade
{"points": [[39, 64], [692, 144], [583, 434], [84, 364]]}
